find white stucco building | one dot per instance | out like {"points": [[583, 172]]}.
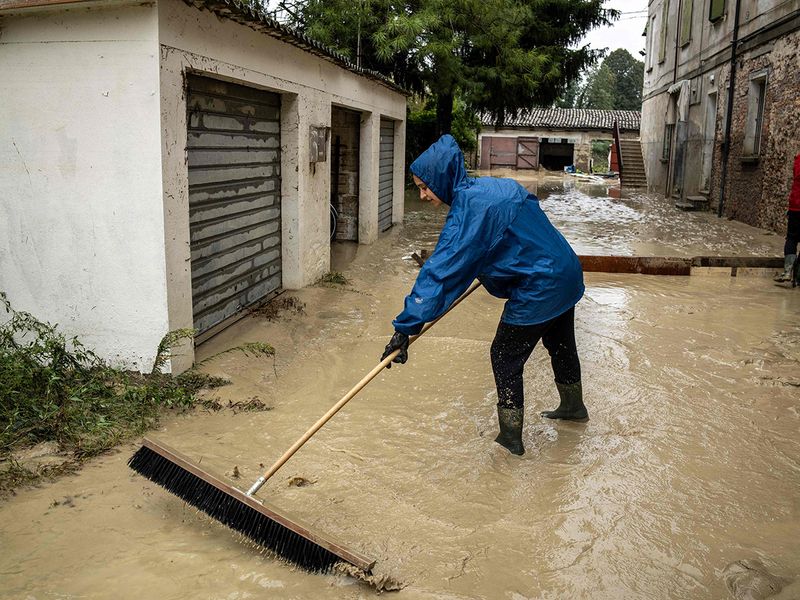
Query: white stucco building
{"points": [[165, 164]]}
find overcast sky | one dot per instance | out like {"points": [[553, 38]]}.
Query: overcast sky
{"points": [[626, 32]]}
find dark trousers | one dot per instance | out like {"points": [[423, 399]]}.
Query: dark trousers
{"points": [[792, 233], [514, 344]]}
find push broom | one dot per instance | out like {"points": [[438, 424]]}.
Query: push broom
{"points": [[261, 524]]}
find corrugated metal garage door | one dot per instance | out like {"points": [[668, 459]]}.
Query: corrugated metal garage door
{"points": [[234, 197], [385, 175]]}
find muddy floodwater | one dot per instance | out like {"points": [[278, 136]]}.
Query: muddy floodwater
{"points": [[690, 462]]}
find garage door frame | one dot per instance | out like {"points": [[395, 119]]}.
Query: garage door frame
{"points": [[233, 153]]}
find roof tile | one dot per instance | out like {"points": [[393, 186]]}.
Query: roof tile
{"points": [[571, 118]]}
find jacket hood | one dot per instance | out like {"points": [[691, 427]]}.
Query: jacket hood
{"points": [[441, 167]]}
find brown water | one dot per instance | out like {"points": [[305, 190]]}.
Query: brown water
{"points": [[691, 459]]}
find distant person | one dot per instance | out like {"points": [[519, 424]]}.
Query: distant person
{"points": [[792, 227], [496, 231]]}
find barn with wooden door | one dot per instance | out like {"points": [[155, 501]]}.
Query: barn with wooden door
{"points": [[551, 138], [167, 164]]}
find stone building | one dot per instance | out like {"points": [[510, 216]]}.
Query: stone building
{"points": [[166, 164], [707, 143], [551, 138]]}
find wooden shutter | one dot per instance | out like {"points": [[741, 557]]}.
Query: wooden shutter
{"points": [[662, 44], [717, 10], [686, 22]]}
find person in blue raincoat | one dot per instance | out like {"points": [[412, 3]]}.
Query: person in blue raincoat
{"points": [[496, 232]]}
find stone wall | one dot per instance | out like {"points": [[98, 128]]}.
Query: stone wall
{"points": [[757, 190]]}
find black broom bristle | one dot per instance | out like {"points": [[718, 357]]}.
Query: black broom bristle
{"points": [[221, 506]]}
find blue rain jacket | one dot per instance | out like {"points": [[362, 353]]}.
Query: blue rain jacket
{"points": [[497, 232]]}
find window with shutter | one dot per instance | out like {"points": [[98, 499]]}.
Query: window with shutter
{"points": [[662, 44], [686, 22], [716, 10]]}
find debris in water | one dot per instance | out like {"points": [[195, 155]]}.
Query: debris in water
{"points": [[300, 481], [749, 579], [334, 278], [251, 404], [273, 309], [382, 583]]}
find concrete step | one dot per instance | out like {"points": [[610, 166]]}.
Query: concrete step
{"points": [[633, 171], [692, 203], [633, 182]]}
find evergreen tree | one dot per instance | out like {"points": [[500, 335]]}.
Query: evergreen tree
{"points": [[616, 84], [628, 79], [500, 56], [599, 91], [570, 97]]}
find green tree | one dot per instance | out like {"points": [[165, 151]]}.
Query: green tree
{"points": [[616, 84], [349, 27], [500, 56], [599, 91], [531, 62], [570, 95], [628, 79]]}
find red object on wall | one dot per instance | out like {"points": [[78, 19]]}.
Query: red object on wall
{"points": [[794, 195]]}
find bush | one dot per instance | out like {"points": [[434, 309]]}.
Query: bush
{"points": [[57, 390], [421, 128]]}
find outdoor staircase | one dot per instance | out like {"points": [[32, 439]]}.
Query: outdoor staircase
{"points": [[633, 174]]}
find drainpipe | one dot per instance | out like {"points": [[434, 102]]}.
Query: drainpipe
{"points": [[677, 41], [726, 144]]}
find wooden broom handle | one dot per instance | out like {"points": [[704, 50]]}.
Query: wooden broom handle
{"points": [[349, 395]]}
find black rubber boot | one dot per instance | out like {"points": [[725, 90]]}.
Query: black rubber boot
{"points": [[510, 436], [571, 407]]}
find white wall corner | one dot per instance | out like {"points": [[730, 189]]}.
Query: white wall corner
{"points": [[398, 192]]}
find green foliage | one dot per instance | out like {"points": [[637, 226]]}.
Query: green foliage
{"points": [[55, 389], [599, 90], [628, 79], [600, 155], [350, 27], [615, 84], [498, 56], [421, 127]]}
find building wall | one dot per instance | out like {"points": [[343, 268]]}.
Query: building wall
{"points": [[581, 138], [94, 219], [198, 41], [81, 208], [756, 190]]}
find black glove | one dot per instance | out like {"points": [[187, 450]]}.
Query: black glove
{"points": [[399, 340]]}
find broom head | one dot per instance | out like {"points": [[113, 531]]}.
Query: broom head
{"points": [[263, 525]]}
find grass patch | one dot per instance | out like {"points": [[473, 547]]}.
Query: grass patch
{"points": [[54, 389]]}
